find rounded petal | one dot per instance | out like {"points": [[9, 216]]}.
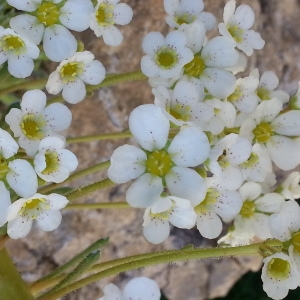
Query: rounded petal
{"points": [[54, 84], [156, 231], [58, 116], [19, 227], [28, 26], [149, 127], [189, 148], [20, 66], [112, 36], [49, 220], [24, 5], [244, 16], [4, 203], [127, 163], [22, 178], [8, 146], [74, 91], [288, 123], [209, 224], [59, 43], [122, 14], [187, 184], [93, 73], [183, 217], [33, 102], [141, 288], [152, 42], [144, 191], [111, 291], [269, 203], [56, 201], [267, 111], [269, 80]]}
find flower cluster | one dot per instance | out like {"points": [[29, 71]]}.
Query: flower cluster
{"points": [[209, 141]]}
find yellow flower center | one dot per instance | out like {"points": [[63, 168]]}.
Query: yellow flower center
{"points": [[104, 14], [263, 94], [248, 209], [278, 268], [13, 43], [52, 162], [48, 14], [166, 58], [210, 199], [32, 126], [236, 95], [70, 71], [236, 32], [3, 168], [159, 163], [195, 67], [180, 112], [296, 240], [185, 19], [33, 207], [263, 132]]}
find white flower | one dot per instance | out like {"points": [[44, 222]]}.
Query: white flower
{"points": [[34, 121], [276, 132], [45, 209], [52, 162], [49, 20], [290, 188], [18, 173], [237, 24], [165, 57], [179, 212], [294, 102], [254, 215], [18, 52], [244, 97], [139, 288], [183, 104], [187, 12], [268, 82], [159, 161], [218, 203], [72, 74], [207, 68], [108, 13], [225, 158], [279, 274]]}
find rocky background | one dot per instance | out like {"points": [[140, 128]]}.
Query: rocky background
{"points": [[107, 111]]}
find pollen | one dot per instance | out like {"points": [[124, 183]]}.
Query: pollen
{"points": [[159, 163], [48, 14]]}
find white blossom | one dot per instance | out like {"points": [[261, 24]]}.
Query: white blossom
{"points": [[49, 21], [107, 13], [237, 24], [72, 75], [52, 162], [34, 121], [45, 209], [18, 52]]}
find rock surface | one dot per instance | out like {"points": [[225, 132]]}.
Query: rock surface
{"points": [[107, 111]]}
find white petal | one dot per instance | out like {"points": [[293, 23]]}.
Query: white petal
{"points": [[74, 91], [141, 288], [269, 80], [93, 73], [122, 14], [187, 184], [279, 145], [58, 116], [183, 217], [8, 146], [127, 163], [260, 225], [75, 10], [220, 83], [56, 201], [156, 231], [244, 16], [112, 36], [28, 26], [209, 224], [162, 204], [189, 148], [24, 5], [20, 66], [111, 291], [22, 178], [152, 42], [269, 203], [250, 191], [59, 43], [33, 102], [229, 10], [49, 220], [4, 203], [149, 126], [268, 110], [144, 191], [287, 123], [54, 84], [19, 227]]}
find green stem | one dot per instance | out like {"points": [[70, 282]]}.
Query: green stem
{"points": [[12, 287], [75, 176], [100, 137], [162, 257], [25, 85], [81, 192], [110, 79], [98, 205]]}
